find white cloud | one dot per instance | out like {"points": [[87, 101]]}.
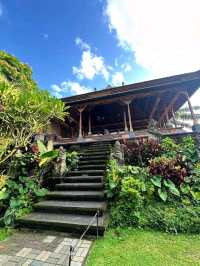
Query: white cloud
{"points": [[164, 36], [126, 67], [91, 65], [56, 88], [68, 87], [117, 79], [83, 45], [74, 87]]}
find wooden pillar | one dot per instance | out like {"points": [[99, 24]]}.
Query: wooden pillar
{"points": [[129, 117], [174, 118], [127, 101], [154, 108], [125, 121], [89, 124], [191, 109], [80, 109], [173, 101]]}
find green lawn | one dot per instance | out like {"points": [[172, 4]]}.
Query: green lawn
{"points": [[4, 233], [131, 247]]}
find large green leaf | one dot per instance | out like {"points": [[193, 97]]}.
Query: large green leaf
{"points": [[172, 188], [156, 180], [42, 148], [4, 194], [162, 193]]}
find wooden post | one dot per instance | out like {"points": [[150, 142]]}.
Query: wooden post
{"points": [[129, 117], [127, 101], [191, 109], [154, 108], [125, 122], [89, 124], [80, 109], [169, 106], [174, 118]]}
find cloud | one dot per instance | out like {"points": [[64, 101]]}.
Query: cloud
{"points": [[126, 67], [83, 45], [117, 79], [163, 36], [91, 65], [56, 88], [74, 87], [68, 87]]}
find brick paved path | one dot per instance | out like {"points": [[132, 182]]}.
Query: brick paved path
{"points": [[37, 248]]}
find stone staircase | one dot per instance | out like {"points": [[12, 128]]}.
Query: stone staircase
{"points": [[76, 198]]}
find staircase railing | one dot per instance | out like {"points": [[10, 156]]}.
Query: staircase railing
{"points": [[73, 249]]}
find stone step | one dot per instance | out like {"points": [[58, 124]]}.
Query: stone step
{"points": [[86, 172], [94, 153], [83, 178], [92, 161], [62, 222], [96, 150], [92, 166], [80, 207], [93, 158], [79, 186], [77, 195]]}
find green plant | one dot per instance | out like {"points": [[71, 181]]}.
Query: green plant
{"points": [[24, 111], [164, 187], [169, 147], [19, 196], [169, 168]]}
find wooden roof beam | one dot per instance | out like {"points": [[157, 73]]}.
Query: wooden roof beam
{"points": [[171, 104], [154, 108]]}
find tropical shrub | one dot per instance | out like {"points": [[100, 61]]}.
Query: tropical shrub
{"points": [[141, 151], [18, 195]]}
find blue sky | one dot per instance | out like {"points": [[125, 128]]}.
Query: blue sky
{"points": [[76, 46]]}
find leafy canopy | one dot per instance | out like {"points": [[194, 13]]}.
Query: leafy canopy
{"points": [[24, 108]]}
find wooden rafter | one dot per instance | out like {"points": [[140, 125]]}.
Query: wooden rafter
{"points": [[154, 108], [167, 109]]}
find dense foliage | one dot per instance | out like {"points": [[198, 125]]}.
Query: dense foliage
{"points": [[162, 192], [25, 110]]}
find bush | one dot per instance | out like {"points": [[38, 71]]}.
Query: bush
{"points": [[175, 218], [141, 151]]}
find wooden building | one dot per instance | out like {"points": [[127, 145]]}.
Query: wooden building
{"points": [[128, 110]]}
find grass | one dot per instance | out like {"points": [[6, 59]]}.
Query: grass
{"points": [[4, 233], [133, 247]]}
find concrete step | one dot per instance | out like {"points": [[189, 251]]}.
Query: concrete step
{"points": [[95, 150], [62, 222], [94, 153], [80, 207], [93, 158], [79, 186], [77, 195], [92, 161], [92, 166], [82, 179], [86, 172]]}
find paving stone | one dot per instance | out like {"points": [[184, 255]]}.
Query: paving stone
{"points": [[74, 263], [64, 260], [43, 256], [49, 239], [27, 262], [52, 260], [78, 258], [23, 252], [36, 263]]}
